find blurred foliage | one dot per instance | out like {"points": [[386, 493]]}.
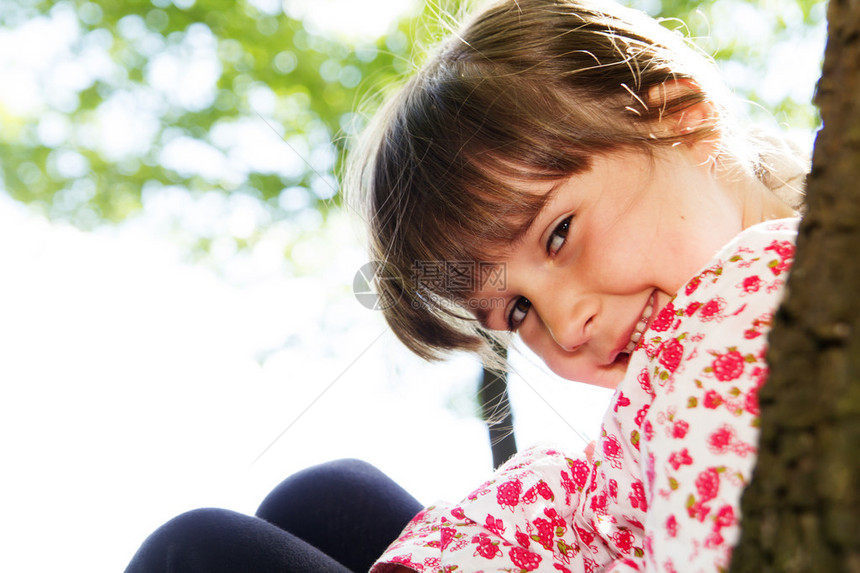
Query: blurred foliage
{"points": [[763, 48], [169, 102]]}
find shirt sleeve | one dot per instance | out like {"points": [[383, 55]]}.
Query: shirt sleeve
{"points": [[705, 364], [521, 520]]}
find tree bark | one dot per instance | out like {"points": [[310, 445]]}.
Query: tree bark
{"points": [[496, 409], [801, 511]]}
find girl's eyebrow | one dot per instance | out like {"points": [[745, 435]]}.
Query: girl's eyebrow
{"points": [[547, 199]]}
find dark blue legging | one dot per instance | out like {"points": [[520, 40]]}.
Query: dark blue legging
{"points": [[336, 517]]}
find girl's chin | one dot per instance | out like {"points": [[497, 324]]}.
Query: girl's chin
{"points": [[610, 375], [617, 370]]}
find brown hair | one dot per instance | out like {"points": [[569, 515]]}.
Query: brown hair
{"points": [[528, 90]]}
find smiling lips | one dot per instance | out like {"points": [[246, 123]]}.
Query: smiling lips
{"points": [[641, 325]]}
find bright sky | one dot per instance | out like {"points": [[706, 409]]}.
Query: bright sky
{"points": [[369, 18], [136, 387]]}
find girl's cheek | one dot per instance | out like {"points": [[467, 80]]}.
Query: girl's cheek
{"points": [[574, 368], [556, 364], [532, 336], [541, 343]]}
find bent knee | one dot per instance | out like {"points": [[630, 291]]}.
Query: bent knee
{"points": [[185, 539]]}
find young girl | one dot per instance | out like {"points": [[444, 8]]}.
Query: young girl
{"points": [[568, 171]]}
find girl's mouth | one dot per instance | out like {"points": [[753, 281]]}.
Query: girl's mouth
{"points": [[641, 325]]}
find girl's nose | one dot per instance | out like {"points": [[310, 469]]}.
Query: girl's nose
{"points": [[569, 322]]}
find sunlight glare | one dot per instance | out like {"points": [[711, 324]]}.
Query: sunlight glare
{"points": [[350, 19]]}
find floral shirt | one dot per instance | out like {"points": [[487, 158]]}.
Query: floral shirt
{"points": [[677, 446]]}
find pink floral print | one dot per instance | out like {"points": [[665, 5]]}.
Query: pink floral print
{"points": [[677, 446]]}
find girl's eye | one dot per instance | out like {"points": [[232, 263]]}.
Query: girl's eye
{"points": [[518, 313], [558, 237]]}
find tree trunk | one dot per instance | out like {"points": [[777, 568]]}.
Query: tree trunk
{"points": [[802, 510], [496, 409]]}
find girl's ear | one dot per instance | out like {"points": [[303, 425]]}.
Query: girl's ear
{"points": [[684, 114]]}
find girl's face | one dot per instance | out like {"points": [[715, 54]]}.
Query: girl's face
{"points": [[605, 254]]}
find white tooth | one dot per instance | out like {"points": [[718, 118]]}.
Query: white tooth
{"points": [[640, 326]]}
